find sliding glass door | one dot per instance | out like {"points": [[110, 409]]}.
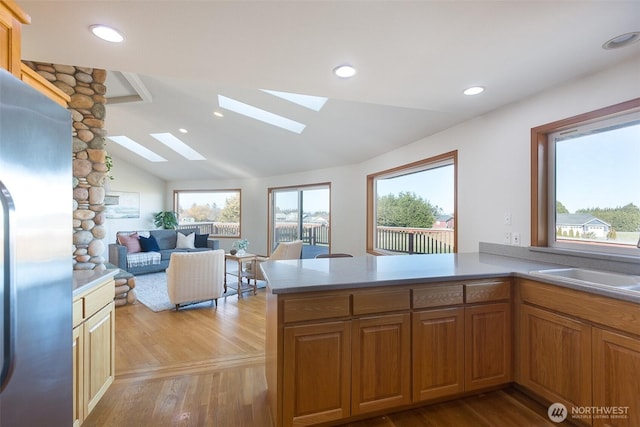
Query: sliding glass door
{"points": [[301, 213]]}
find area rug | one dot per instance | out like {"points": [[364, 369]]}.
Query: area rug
{"points": [[151, 290]]}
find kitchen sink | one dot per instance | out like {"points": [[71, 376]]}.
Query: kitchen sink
{"points": [[592, 277]]}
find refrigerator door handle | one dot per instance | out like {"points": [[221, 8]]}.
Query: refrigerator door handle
{"points": [[7, 299]]}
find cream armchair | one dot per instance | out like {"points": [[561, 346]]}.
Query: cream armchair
{"points": [[285, 250], [195, 276]]}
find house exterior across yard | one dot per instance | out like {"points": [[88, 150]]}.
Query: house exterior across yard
{"points": [[579, 225]]}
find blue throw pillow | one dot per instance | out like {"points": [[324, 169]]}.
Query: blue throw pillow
{"points": [[149, 244], [201, 240]]}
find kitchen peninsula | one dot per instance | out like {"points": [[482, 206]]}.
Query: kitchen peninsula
{"points": [[351, 338]]}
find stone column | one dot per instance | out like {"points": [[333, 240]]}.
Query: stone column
{"points": [[86, 88]]}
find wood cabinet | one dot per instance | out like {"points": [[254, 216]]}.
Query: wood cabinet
{"points": [[99, 360], [11, 20], [335, 355], [317, 377], [381, 349], [12, 17], [438, 353], [381, 376], [78, 376], [616, 378], [487, 333], [582, 350], [36, 81], [93, 347], [555, 356]]}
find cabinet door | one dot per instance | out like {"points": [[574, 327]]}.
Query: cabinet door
{"points": [[10, 40], [487, 345], [438, 353], [317, 367], [616, 378], [78, 376], [555, 359], [381, 370], [99, 339]]}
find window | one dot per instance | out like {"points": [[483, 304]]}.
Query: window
{"points": [[412, 208], [216, 212], [301, 213], [585, 182]]}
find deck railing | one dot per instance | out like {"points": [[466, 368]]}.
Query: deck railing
{"points": [[415, 240], [218, 229], [394, 239], [312, 233]]}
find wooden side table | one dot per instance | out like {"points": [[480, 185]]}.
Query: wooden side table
{"points": [[241, 274]]}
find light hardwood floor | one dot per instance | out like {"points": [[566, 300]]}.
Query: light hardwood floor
{"points": [[205, 367]]}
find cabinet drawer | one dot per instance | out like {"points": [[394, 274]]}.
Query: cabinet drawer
{"points": [[78, 311], [494, 290], [380, 302], [98, 298], [437, 296], [322, 307]]}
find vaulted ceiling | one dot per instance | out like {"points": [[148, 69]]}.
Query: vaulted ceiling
{"points": [[414, 59]]}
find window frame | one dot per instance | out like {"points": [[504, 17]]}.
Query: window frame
{"points": [[176, 194], [541, 191], [413, 167], [270, 209]]}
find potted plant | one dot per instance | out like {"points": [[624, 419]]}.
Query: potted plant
{"points": [[166, 219], [241, 246]]}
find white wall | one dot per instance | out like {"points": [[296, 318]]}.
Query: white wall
{"points": [[494, 152], [493, 168], [347, 223], [127, 177]]}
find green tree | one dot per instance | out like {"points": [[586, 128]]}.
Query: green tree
{"points": [[231, 211], [406, 210], [560, 208], [199, 212], [625, 218]]}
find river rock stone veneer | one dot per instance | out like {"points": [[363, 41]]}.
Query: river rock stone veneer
{"points": [[86, 88]]}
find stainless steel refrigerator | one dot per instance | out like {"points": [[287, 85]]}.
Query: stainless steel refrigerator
{"points": [[36, 252]]}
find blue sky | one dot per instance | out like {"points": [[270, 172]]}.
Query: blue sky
{"points": [[315, 200], [434, 185], [599, 170], [188, 199]]}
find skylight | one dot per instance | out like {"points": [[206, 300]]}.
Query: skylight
{"points": [[178, 146], [133, 146], [260, 114], [311, 102]]}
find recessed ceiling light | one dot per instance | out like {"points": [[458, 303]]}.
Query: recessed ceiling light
{"points": [[107, 33], [183, 130], [345, 71], [473, 90], [622, 40], [140, 150], [218, 114], [178, 146]]}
